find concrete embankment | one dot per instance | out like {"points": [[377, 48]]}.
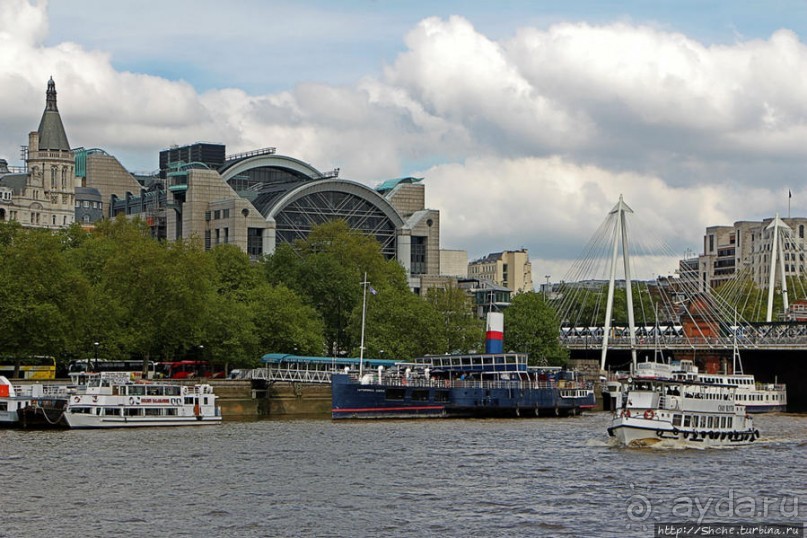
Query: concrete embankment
{"points": [[242, 399]]}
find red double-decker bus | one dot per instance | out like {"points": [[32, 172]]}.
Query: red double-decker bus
{"points": [[188, 369]]}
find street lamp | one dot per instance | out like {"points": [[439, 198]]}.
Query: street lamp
{"points": [[96, 344]]}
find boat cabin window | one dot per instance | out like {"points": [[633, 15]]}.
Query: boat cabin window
{"points": [[395, 394], [420, 395], [136, 390], [687, 421], [153, 411], [154, 390], [171, 411], [676, 421], [111, 412], [442, 395], [3, 406], [133, 411]]}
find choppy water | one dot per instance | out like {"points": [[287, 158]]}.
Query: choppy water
{"points": [[545, 477]]}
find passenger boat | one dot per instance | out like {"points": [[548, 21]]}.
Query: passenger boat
{"points": [[479, 385], [684, 412], [110, 400], [14, 399], [756, 397]]}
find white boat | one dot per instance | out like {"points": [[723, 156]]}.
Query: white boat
{"points": [[15, 398], [109, 401], [681, 412], [756, 397]]}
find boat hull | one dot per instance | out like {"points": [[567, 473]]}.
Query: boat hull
{"points": [[82, 421], [352, 400], [639, 432]]}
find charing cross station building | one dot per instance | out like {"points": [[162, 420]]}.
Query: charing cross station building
{"points": [[254, 200]]}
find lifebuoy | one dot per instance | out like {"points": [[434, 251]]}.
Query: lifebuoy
{"points": [[77, 399], [131, 400], [95, 399], [627, 413], [648, 415]]}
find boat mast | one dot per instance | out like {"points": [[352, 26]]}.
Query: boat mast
{"points": [[364, 285], [736, 361]]}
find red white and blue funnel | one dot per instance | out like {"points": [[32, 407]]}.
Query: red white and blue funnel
{"points": [[494, 334]]}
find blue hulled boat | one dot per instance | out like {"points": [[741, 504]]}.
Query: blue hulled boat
{"points": [[479, 385]]}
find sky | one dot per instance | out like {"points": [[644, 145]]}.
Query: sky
{"points": [[526, 119]]}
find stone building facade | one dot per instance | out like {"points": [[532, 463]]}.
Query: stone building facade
{"points": [[43, 193], [510, 268]]}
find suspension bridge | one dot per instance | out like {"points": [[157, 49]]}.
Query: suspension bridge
{"points": [[602, 306]]}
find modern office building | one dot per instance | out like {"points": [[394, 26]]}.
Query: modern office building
{"points": [[747, 247]]}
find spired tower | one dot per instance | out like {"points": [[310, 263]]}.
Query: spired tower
{"points": [[48, 200]]}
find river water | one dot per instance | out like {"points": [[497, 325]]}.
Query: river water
{"points": [[314, 477]]}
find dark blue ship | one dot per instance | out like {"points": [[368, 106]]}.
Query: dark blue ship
{"points": [[479, 385]]}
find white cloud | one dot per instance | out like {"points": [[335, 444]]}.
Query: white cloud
{"points": [[525, 141]]}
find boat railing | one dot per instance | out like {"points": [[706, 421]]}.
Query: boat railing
{"points": [[52, 391], [419, 382]]}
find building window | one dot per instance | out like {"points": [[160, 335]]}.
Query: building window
{"points": [[225, 213], [418, 257], [226, 235], [216, 214], [207, 239], [218, 236], [255, 241]]}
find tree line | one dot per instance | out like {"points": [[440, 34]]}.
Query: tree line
{"points": [[62, 292]]}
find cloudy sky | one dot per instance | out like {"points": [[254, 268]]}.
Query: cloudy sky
{"points": [[527, 119]]}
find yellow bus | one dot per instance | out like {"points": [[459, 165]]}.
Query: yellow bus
{"points": [[28, 368]]}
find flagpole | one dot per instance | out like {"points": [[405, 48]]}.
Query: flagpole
{"points": [[363, 316], [789, 196]]}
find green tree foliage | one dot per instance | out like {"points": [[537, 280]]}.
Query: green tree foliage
{"points": [[41, 294], [327, 269], [530, 326], [399, 325], [461, 330]]}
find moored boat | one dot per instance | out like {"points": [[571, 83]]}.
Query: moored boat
{"points": [[480, 385], [110, 401], [31, 405], [688, 413]]}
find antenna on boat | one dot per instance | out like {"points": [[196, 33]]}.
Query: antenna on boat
{"points": [[657, 351], [736, 362]]}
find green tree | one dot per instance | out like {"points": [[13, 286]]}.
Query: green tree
{"points": [[461, 330], [530, 326], [399, 325], [41, 293], [327, 269]]}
